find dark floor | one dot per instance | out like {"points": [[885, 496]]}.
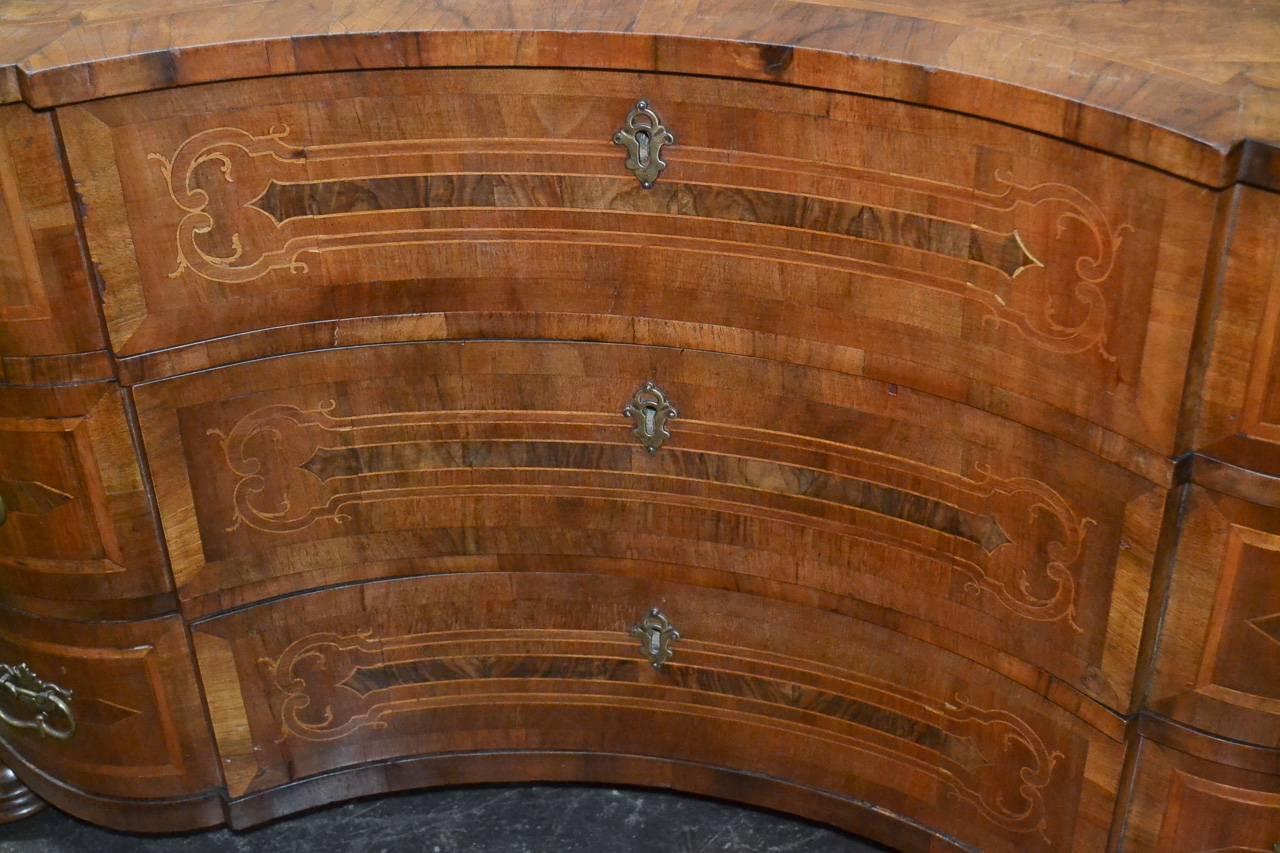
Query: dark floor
{"points": [[523, 819]]}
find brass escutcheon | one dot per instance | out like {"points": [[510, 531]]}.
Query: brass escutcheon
{"points": [[643, 136], [657, 637], [650, 411]]}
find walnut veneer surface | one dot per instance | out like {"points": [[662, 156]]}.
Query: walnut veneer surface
{"points": [[317, 326]]}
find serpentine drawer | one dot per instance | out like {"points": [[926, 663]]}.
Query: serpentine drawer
{"points": [[545, 662], [1048, 283], [1193, 793], [46, 307], [77, 531], [991, 539], [1219, 649], [108, 709]]}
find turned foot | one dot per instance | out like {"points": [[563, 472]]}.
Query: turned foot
{"points": [[16, 799]]}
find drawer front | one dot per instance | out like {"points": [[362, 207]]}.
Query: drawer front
{"points": [[46, 306], [1219, 651], [77, 523], [324, 468], [872, 237], [110, 708], [548, 661], [1215, 797], [1238, 405]]}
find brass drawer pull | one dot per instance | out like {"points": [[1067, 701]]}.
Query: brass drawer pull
{"points": [[643, 136], [657, 637], [24, 687], [650, 411]]}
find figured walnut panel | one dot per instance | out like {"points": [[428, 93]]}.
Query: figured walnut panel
{"points": [[1219, 649], [544, 661], [78, 523], [46, 306], [1202, 796], [942, 252], [1238, 414], [140, 728], [1174, 83], [285, 474]]}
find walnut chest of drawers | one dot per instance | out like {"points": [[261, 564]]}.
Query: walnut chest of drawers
{"points": [[865, 410]]}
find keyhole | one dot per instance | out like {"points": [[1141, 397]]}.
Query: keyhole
{"points": [[655, 642], [642, 147], [650, 420]]}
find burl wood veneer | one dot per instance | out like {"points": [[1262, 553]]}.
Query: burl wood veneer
{"points": [[863, 410]]}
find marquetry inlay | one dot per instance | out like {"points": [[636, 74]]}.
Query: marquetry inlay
{"points": [[224, 176], [330, 687], [297, 468]]}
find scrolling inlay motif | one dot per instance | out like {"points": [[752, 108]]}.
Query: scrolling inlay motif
{"points": [[288, 480], [258, 171], [334, 685]]}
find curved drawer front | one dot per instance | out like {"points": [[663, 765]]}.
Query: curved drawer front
{"points": [[1219, 650], [1199, 795], [350, 464], [46, 307], [110, 708], [912, 245], [1238, 412], [77, 525], [546, 661]]}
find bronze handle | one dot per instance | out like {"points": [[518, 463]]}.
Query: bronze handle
{"points": [[46, 699]]}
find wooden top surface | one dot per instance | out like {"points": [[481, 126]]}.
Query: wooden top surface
{"points": [[1189, 86]]}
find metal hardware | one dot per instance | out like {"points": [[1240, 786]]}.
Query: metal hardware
{"points": [[651, 411], [643, 136], [24, 687], [656, 637]]}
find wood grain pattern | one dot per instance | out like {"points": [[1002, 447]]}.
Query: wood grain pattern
{"points": [[1238, 411], [46, 306], [1193, 795], [1172, 82], [787, 223], [969, 518], [79, 533], [140, 731], [52, 370], [284, 474], [543, 661], [1220, 638], [527, 765], [151, 815]]}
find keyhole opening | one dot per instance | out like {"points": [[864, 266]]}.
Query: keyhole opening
{"points": [[650, 420], [642, 147]]}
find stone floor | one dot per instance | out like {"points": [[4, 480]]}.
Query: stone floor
{"points": [[500, 819]]}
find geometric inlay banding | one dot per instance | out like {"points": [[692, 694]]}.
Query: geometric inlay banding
{"points": [[1004, 252], [1268, 626], [297, 468], [332, 463], [330, 686], [255, 204], [30, 497]]}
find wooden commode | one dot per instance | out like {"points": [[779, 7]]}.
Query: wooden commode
{"points": [[867, 410]]}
